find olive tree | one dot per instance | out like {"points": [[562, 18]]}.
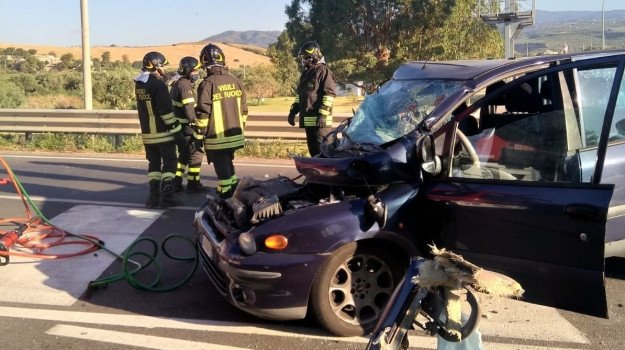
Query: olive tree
{"points": [[113, 90], [282, 56], [260, 81]]}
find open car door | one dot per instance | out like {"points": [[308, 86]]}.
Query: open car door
{"points": [[550, 239], [519, 197]]}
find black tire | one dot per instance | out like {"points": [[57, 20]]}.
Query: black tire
{"points": [[352, 288]]}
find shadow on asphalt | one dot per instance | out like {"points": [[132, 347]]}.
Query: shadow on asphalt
{"points": [[615, 267]]}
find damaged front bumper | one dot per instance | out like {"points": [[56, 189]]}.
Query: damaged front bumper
{"points": [[270, 288]]}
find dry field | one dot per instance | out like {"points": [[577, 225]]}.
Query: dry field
{"points": [[173, 52]]}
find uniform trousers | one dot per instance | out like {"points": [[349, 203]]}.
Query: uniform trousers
{"points": [[162, 160]]}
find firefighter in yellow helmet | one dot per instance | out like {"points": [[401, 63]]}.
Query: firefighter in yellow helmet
{"points": [[191, 149], [222, 111], [159, 130], [315, 97]]}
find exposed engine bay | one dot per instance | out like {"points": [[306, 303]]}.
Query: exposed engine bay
{"points": [[255, 202]]}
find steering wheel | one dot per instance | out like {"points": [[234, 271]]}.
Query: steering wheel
{"points": [[466, 144], [487, 172]]}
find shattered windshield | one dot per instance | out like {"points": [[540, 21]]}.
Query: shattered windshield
{"points": [[396, 109]]}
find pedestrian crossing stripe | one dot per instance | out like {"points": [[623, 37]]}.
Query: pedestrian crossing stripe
{"points": [[63, 281]]}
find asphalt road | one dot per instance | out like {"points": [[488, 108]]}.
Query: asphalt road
{"points": [[45, 304]]}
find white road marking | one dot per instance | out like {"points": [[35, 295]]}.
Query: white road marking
{"points": [[62, 281], [87, 202], [430, 343], [150, 322], [267, 163], [131, 339]]}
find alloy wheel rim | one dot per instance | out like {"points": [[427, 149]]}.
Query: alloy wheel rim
{"points": [[360, 288]]}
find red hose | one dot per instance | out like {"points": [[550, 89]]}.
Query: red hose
{"points": [[36, 235]]}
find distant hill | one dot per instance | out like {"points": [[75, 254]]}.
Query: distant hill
{"points": [[579, 30], [250, 37], [174, 52]]}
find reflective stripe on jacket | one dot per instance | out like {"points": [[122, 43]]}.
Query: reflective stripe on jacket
{"points": [[222, 108], [183, 100], [158, 123]]}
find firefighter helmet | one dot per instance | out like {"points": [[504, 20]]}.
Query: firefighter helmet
{"points": [[310, 51], [187, 65], [154, 60], [212, 55]]}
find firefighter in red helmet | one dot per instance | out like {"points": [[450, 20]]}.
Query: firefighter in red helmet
{"points": [[159, 130], [222, 112]]}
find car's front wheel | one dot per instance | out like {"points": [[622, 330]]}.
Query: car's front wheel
{"points": [[351, 290]]}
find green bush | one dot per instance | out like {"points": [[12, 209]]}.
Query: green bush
{"points": [[49, 82], [254, 148], [98, 143], [53, 142], [113, 90], [72, 82], [272, 149], [26, 82], [132, 144], [8, 141], [11, 95]]}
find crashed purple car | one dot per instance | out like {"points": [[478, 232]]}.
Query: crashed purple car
{"points": [[518, 165]]}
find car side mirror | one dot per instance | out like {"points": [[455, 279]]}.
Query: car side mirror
{"points": [[426, 155], [377, 210]]}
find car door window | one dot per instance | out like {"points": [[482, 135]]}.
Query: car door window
{"points": [[533, 130], [617, 130], [594, 93]]}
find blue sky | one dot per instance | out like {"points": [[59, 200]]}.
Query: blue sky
{"points": [[154, 22]]}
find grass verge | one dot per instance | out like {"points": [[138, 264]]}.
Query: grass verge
{"points": [[342, 104], [254, 148]]}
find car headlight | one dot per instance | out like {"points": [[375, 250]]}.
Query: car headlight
{"points": [[247, 243]]}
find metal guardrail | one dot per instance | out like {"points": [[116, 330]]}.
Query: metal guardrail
{"points": [[272, 125]]}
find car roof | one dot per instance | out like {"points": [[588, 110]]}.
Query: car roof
{"points": [[471, 69], [452, 70]]}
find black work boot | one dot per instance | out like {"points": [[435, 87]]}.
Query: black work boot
{"points": [[227, 194], [155, 193], [168, 198], [195, 186], [178, 186]]}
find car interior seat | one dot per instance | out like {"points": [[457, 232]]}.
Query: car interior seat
{"points": [[620, 126], [546, 93], [522, 99], [469, 125]]}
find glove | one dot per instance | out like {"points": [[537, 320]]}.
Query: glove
{"points": [[321, 122], [179, 137], [291, 119], [196, 145], [198, 132]]}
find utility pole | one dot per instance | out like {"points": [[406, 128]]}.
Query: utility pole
{"points": [[603, 24], [86, 54]]}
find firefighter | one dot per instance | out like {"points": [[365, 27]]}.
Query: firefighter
{"points": [[191, 150], [159, 130], [222, 111], [315, 96]]}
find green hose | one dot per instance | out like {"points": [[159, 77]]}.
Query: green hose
{"points": [[128, 272]]}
